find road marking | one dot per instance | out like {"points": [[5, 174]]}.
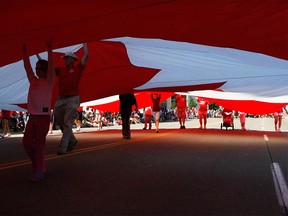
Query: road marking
{"points": [[280, 185], [83, 150], [266, 138]]}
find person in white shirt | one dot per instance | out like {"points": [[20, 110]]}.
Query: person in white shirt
{"points": [[39, 108]]}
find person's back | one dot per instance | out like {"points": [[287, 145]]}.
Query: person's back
{"points": [[148, 111], [181, 102], [127, 101]]}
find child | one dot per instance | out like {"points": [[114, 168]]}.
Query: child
{"points": [[39, 107]]}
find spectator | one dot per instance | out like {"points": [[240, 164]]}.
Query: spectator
{"points": [[79, 118], [6, 116], [98, 118], [67, 103], [126, 103]]}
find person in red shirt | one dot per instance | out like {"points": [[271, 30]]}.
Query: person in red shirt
{"points": [[68, 101], [202, 111], [181, 110], [278, 119], [147, 118], [6, 115], [242, 117]]}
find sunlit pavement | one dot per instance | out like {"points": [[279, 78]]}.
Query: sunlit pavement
{"points": [[174, 172]]}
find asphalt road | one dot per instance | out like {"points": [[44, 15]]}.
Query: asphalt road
{"points": [[175, 172]]}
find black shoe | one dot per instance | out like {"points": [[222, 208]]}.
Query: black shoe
{"points": [[144, 128], [71, 146], [61, 152], [38, 176], [183, 127]]}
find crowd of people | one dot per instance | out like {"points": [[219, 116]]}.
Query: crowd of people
{"points": [[89, 117]]}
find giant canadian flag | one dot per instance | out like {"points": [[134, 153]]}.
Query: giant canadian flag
{"points": [[231, 52]]}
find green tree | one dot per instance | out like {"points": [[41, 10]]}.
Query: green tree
{"points": [[192, 102], [213, 106]]}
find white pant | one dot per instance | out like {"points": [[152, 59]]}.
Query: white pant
{"points": [[65, 113]]}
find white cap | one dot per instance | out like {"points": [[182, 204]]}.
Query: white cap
{"points": [[70, 54]]}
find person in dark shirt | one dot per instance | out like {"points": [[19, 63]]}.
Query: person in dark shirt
{"points": [[126, 103], [155, 97]]}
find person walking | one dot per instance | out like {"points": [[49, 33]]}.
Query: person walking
{"points": [[181, 110], [39, 108], [155, 97], [242, 117], [126, 103], [278, 119], [202, 111], [68, 101]]}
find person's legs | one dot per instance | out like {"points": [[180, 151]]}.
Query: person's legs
{"points": [[126, 124], [276, 118], [279, 123], [200, 119], [157, 124], [183, 119], [41, 129], [205, 120], [242, 121], [59, 111], [157, 119], [34, 142], [28, 140], [145, 121], [65, 114], [5, 125], [69, 116], [179, 119], [150, 121]]}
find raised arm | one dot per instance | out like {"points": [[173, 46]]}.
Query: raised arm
{"points": [[285, 109], [27, 64], [51, 67], [86, 54]]}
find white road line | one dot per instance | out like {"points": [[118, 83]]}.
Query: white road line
{"points": [[266, 138], [280, 185]]}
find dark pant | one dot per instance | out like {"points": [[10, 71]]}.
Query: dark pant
{"points": [[125, 115]]}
